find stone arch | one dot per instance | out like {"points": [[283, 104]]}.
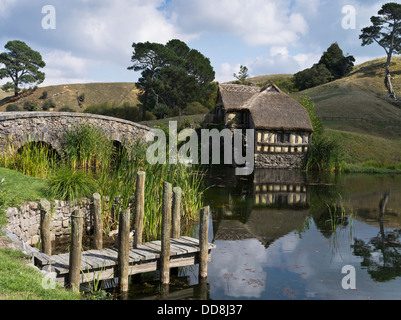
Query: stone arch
{"points": [[50, 126]]}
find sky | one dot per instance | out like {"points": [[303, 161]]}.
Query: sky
{"points": [[85, 41]]}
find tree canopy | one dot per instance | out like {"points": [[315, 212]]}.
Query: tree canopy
{"points": [[21, 64], [172, 74], [332, 65], [386, 32]]}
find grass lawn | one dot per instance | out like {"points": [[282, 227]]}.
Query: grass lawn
{"points": [[21, 187], [21, 282]]}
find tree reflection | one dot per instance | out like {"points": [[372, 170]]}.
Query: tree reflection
{"points": [[381, 254]]}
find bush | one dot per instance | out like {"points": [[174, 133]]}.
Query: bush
{"points": [[44, 95], [70, 185], [49, 104], [195, 108], [126, 111], [13, 107], [66, 109], [30, 105]]}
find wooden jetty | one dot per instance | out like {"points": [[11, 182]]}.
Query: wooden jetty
{"points": [[128, 258], [103, 264]]}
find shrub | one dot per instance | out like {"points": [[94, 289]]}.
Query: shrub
{"points": [[30, 105], [70, 185], [13, 107], [49, 104], [44, 95], [66, 109], [195, 108]]}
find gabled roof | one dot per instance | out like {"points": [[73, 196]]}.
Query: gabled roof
{"points": [[271, 109]]}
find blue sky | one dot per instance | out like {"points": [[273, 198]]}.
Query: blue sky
{"points": [[92, 39]]}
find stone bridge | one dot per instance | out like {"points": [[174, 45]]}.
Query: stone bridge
{"points": [[49, 127]]}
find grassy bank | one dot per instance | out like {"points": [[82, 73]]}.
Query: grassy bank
{"points": [[368, 153], [21, 282]]}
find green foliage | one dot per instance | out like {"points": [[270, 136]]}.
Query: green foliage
{"points": [[312, 77], [70, 185], [385, 30], [172, 74], [331, 66], [49, 104], [126, 111], [66, 109], [336, 63], [13, 107], [195, 108], [44, 95], [310, 108], [30, 105], [34, 159], [326, 155], [242, 74], [21, 64], [84, 147], [161, 110]]}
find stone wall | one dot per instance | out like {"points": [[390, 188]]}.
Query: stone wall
{"points": [[280, 161], [24, 221], [49, 127]]}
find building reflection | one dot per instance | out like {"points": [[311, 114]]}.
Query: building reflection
{"points": [[266, 206]]}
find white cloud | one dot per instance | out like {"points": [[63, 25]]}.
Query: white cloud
{"points": [[257, 22], [63, 67], [5, 6], [279, 61]]}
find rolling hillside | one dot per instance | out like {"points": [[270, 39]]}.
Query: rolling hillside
{"points": [[66, 95]]}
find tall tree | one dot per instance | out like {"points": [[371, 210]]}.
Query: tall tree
{"points": [[150, 58], [335, 61], [386, 32], [242, 74], [172, 74], [21, 64]]}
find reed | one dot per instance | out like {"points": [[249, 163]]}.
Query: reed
{"points": [[70, 185], [84, 147], [35, 159]]}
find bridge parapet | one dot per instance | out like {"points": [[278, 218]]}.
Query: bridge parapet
{"points": [[49, 127]]}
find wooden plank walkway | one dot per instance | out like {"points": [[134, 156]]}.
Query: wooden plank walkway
{"points": [[103, 264]]}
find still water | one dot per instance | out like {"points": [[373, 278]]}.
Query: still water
{"points": [[286, 235]]}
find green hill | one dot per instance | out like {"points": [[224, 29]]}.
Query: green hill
{"points": [[66, 95], [362, 95]]}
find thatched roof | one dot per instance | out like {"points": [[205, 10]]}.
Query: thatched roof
{"points": [[271, 109]]}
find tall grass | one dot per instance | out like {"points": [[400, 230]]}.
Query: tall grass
{"points": [[118, 180], [71, 185], [84, 147], [35, 159], [326, 155]]}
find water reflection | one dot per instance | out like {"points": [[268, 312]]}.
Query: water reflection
{"points": [[287, 235]]}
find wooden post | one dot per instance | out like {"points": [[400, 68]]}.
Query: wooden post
{"points": [[203, 241], [45, 221], [98, 224], [165, 241], [75, 249], [123, 250], [139, 208], [176, 212]]}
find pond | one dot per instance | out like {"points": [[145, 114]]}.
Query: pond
{"points": [[286, 235]]}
